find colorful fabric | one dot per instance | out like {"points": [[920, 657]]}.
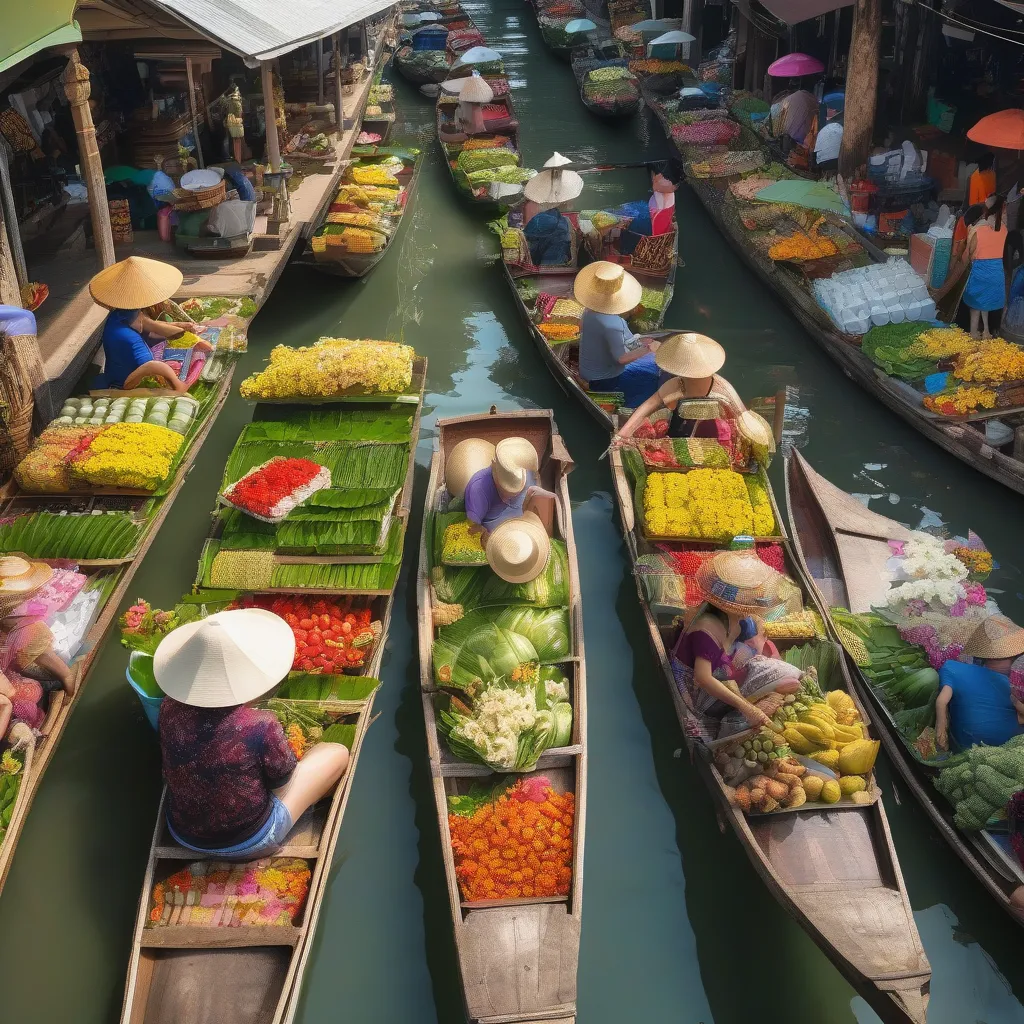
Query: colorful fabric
{"points": [[220, 765], [980, 710]]}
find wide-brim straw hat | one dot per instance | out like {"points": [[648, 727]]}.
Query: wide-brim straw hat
{"points": [[554, 186], [518, 549], [135, 283], [755, 428], [226, 659], [464, 461], [476, 90], [514, 457], [690, 355], [606, 288], [20, 579], [997, 636], [738, 581]]}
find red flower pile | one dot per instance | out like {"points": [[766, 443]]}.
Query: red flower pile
{"points": [[330, 636], [267, 490]]}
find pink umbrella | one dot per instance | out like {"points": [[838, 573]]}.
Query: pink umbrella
{"points": [[793, 65]]}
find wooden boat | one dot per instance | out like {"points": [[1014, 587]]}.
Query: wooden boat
{"points": [[840, 542], [340, 262], [585, 59], [517, 957], [122, 571], [249, 974], [834, 869]]}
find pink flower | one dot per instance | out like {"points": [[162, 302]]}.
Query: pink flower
{"points": [[917, 606], [959, 608], [975, 593]]}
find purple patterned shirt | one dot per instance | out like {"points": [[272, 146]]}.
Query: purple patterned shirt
{"points": [[220, 765]]}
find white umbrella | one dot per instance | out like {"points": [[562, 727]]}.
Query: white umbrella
{"points": [[580, 25], [477, 55], [673, 38]]}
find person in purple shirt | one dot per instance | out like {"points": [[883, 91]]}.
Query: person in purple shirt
{"points": [[505, 489], [234, 786]]}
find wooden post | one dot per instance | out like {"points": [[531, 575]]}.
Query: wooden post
{"points": [[339, 96], [270, 115], [192, 110], [13, 235], [78, 89], [320, 72], [861, 87], [10, 291]]}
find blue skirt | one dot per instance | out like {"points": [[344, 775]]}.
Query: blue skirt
{"points": [[986, 287], [637, 382]]}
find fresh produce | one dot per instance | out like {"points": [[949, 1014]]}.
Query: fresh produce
{"points": [[961, 400], [830, 792], [373, 174], [858, 757], [462, 546], [810, 245], [471, 160], [143, 627], [710, 504], [271, 491], [980, 782], [513, 842], [333, 367], [992, 362], [850, 784]]}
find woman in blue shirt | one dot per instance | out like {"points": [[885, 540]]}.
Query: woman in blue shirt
{"points": [[126, 289]]}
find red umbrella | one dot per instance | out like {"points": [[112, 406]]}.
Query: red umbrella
{"points": [[1002, 130]]}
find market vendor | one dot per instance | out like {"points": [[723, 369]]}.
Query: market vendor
{"points": [[234, 787], [986, 286], [828, 143], [548, 231], [737, 588], [791, 117], [612, 357], [506, 489], [982, 183], [693, 360], [975, 703], [518, 549], [26, 641], [127, 289], [472, 97]]}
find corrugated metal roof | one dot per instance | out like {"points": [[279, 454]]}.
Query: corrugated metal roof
{"points": [[263, 29]]}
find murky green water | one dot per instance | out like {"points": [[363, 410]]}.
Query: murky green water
{"points": [[677, 927]]}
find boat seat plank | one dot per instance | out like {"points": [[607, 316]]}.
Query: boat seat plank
{"points": [[519, 960], [224, 987], [194, 936], [302, 841]]}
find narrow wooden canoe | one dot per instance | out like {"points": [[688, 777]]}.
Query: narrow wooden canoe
{"points": [[517, 957], [589, 58], [843, 547], [248, 975], [39, 756], [834, 869]]}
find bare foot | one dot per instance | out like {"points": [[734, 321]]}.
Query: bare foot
{"points": [[986, 336], [71, 682]]}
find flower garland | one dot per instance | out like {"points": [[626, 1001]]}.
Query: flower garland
{"points": [[961, 401]]}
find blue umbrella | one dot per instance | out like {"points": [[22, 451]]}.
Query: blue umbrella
{"points": [[580, 25], [657, 25]]}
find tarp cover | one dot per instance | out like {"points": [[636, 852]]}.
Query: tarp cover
{"points": [[792, 11], [263, 29], [30, 27], [812, 195]]}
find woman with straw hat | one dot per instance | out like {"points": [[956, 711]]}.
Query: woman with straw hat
{"points": [[976, 703], [693, 360], [234, 786], [548, 231], [737, 588], [474, 93], [518, 549], [506, 488], [612, 357], [127, 289]]}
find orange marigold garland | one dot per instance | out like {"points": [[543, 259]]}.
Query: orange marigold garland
{"points": [[516, 845]]}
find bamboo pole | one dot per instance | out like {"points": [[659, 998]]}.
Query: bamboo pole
{"points": [[339, 96], [192, 111], [270, 116], [78, 89], [861, 87], [16, 253]]}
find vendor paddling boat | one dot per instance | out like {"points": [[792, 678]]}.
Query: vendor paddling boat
{"points": [[844, 548], [223, 942], [516, 923], [826, 854]]}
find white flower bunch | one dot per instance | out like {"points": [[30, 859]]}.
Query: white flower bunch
{"points": [[945, 592], [500, 715], [925, 558]]}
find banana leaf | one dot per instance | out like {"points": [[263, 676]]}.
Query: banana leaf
{"points": [[75, 535], [329, 423], [472, 649], [307, 686], [479, 587], [325, 537], [343, 733], [547, 629], [343, 498]]}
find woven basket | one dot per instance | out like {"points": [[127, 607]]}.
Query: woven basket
{"points": [[16, 398], [187, 201], [654, 253]]}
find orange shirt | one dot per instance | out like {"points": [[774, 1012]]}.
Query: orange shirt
{"points": [[981, 186], [991, 243]]}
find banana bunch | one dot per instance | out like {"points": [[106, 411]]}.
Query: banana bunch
{"points": [[824, 728]]}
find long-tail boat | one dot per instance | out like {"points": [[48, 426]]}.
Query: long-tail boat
{"points": [[843, 547], [626, 100], [517, 954], [217, 965]]}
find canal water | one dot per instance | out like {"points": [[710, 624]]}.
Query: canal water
{"points": [[677, 927]]}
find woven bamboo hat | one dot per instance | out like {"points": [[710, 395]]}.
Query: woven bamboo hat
{"points": [[464, 461], [19, 580], [514, 457], [135, 283], [476, 90], [690, 355], [606, 288], [554, 184], [225, 659], [755, 428], [996, 637], [738, 581], [518, 549]]}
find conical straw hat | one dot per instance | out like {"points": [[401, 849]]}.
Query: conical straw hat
{"points": [[607, 288], [554, 186], [476, 90], [226, 659], [690, 355], [19, 580], [464, 461], [513, 458], [557, 160], [135, 283], [518, 549], [738, 581], [755, 428], [996, 637]]}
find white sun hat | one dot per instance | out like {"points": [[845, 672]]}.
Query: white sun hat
{"points": [[514, 457], [476, 90], [518, 549], [226, 659], [554, 184]]}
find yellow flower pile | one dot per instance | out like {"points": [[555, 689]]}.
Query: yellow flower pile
{"points": [[132, 455], [961, 401], [333, 367], [761, 504], [373, 175], [993, 362], [940, 343], [709, 504]]}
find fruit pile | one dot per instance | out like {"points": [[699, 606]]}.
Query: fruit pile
{"points": [[269, 492], [330, 636]]}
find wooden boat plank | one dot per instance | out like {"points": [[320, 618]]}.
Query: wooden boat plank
{"points": [[199, 937]]}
